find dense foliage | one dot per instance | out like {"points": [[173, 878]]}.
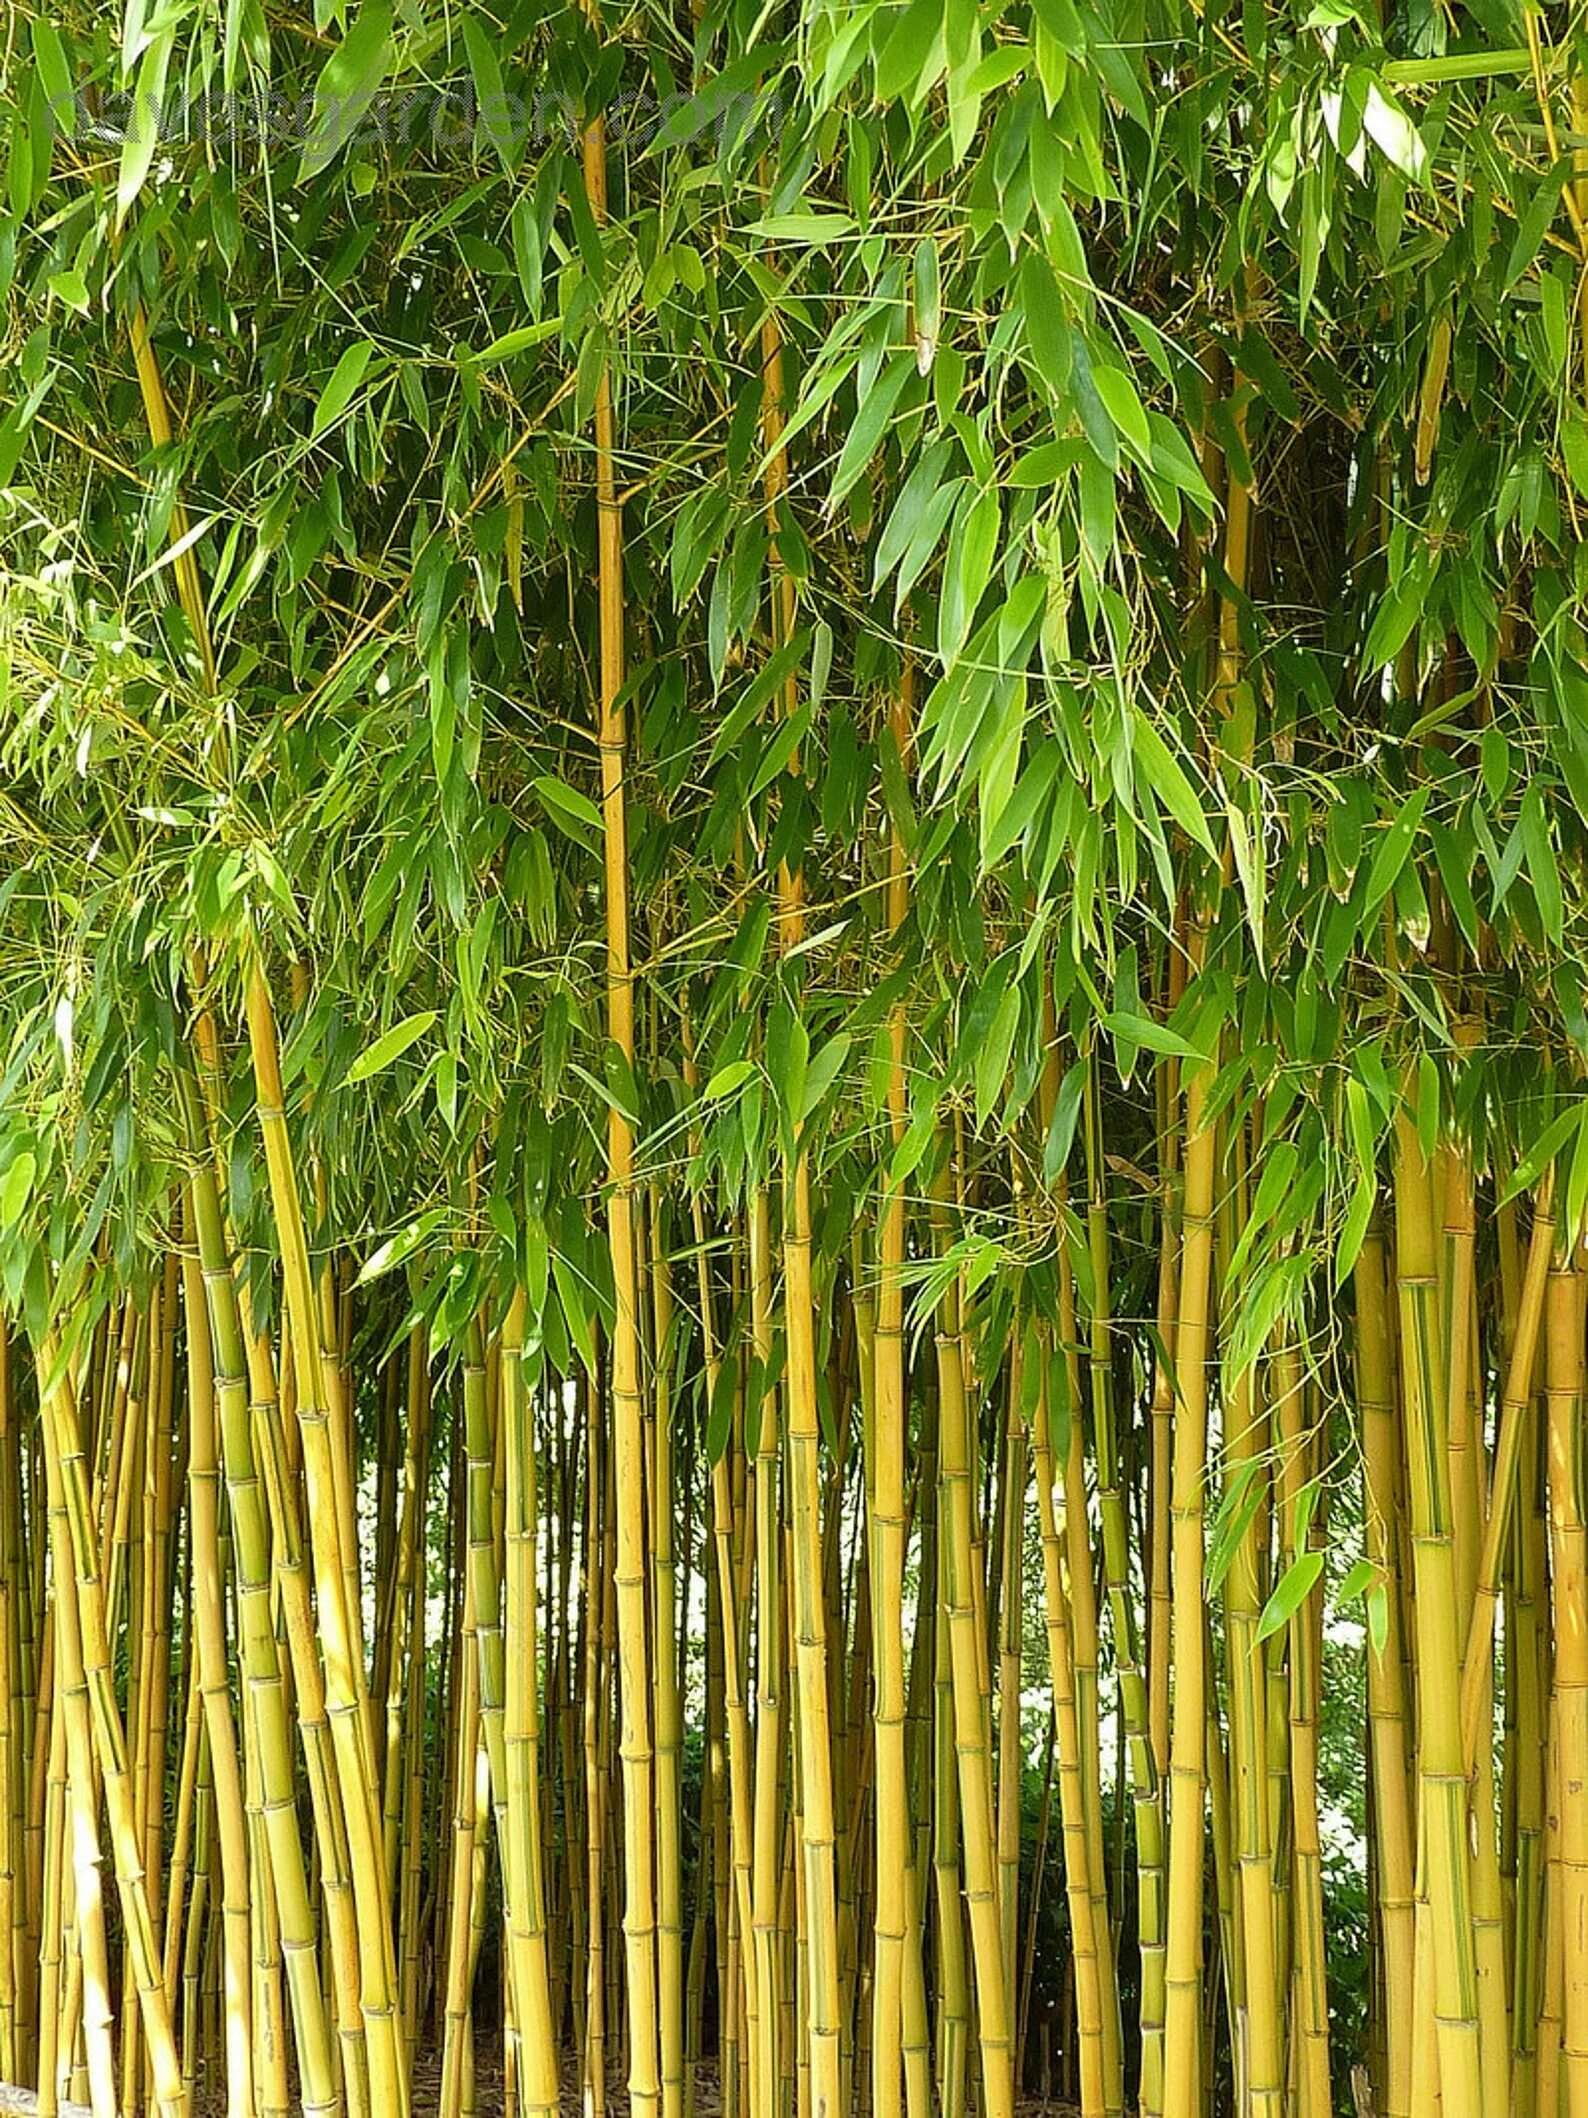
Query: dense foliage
{"points": [[793, 819]]}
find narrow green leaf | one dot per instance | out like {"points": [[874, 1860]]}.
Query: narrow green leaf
{"points": [[727, 1080], [1061, 1133], [1124, 407], [871, 423], [967, 568], [1543, 1151], [1151, 1036], [143, 128], [1295, 1585], [55, 73], [1170, 784], [719, 1418], [1237, 1510], [342, 386], [822, 1072], [389, 1046], [512, 342], [813, 228], [566, 806], [399, 1248], [346, 88], [16, 1187], [1389, 858], [1394, 134], [928, 304]]}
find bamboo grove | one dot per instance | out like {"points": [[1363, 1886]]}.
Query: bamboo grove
{"points": [[793, 1029]]}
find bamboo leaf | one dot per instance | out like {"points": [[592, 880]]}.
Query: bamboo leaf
{"points": [[1061, 1133], [147, 118], [967, 568], [390, 1046], [928, 304], [728, 1080], [342, 386], [1393, 133], [1295, 1585], [399, 1248], [1543, 1151], [1541, 867], [872, 416], [992, 1057], [1391, 853], [719, 1421], [1151, 1036], [55, 73], [567, 807], [16, 1187], [518, 341], [1169, 783], [1243, 1495], [821, 1073], [347, 87], [813, 228]]}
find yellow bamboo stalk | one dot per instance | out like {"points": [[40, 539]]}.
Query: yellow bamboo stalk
{"points": [[79, 1896], [886, 1528], [540, 2085], [51, 1732], [1568, 1517], [1388, 1730], [740, 1828], [666, 1705], [395, 1603], [1081, 1594], [10, 1734], [1261, 2053], [412, 1747], [977, 1819], [1549, 2075], [1477, 1662], [953, 1980], [1489, 1534], [267, 1733], [209, 1618], [595, 1681], [514, 1778], [814, 1751], [771, 2053], [466, 1764], [1086, 1945], [1182, 2061], [639, 1899], [339, 1626], [271, 2071], [241, 1373], [196, 1932], [184, 567], [1528, 1720], [1011, 1747], [182, 1838], [81, 1601], [23, 1813], [1300, 1441], [1442, 1776]]}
